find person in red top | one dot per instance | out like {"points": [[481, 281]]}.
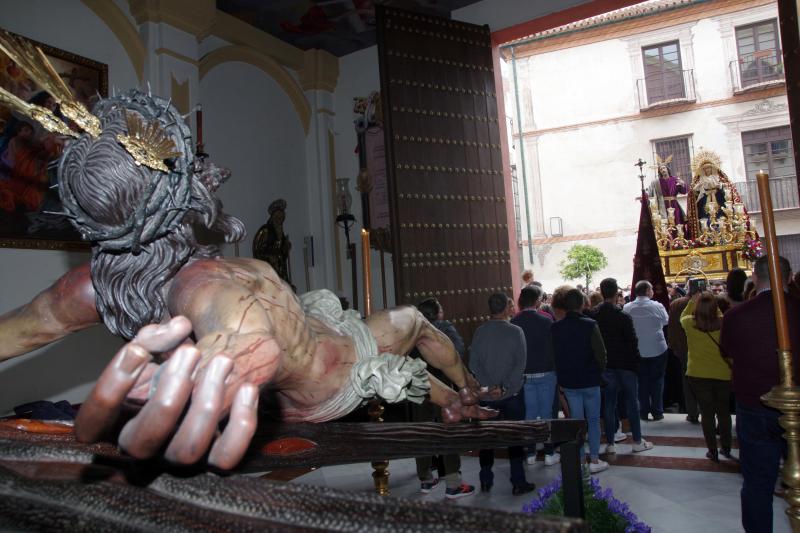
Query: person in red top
{"points": [[749, 338]]}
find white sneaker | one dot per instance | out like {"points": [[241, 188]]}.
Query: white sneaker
{"points": [[599, 466], [550, 460], [610, 449], [642, 446], [531, 460], [619, 436]]}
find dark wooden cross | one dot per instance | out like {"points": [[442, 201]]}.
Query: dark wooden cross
{"points": [[641, 165]]}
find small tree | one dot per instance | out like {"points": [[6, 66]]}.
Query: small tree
{"points": [[582, 261]]}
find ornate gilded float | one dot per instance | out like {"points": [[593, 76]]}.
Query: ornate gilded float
{"points": [[717, 236]]}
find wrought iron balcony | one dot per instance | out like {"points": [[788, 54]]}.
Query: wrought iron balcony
{"points": [[783, 191], [666, 88], [759, 69]]}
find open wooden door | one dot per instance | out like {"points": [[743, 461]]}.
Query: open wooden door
{"points": [[447, 197]]}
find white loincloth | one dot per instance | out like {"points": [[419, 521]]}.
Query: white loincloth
{"points": [[392, 377]]}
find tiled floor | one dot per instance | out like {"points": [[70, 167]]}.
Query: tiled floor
{"points": [[673, 487]]}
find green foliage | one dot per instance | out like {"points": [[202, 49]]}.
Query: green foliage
{"points": [[582, 262]]}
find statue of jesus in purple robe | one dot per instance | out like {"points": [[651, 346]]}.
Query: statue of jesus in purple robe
{"points": [[669, 187]]}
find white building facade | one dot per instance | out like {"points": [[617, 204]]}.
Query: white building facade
{"points": [[660, 78]]}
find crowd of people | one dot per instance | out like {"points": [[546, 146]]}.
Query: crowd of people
{"points": [[602, 356]]}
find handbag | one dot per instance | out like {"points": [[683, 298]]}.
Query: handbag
{"points": [[721, 351]]}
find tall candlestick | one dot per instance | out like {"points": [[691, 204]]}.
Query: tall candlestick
{"points": [[784, 396], [367, 272], [776, 279]]}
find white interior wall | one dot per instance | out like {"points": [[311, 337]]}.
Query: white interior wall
{"points": [[250, 127]]}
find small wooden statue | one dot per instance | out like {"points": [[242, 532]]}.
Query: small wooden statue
{"points": [[271, 244]]}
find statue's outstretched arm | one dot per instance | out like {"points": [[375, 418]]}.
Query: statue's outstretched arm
{"points": [[401, 329], [66, 306]]}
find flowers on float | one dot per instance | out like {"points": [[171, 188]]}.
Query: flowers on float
{"points": [[752, 249]]}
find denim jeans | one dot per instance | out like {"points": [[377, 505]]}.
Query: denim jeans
{"points": [[512, 408], [539, 393], [585, 403], [761, 446], [651, 385], [624, 383]]}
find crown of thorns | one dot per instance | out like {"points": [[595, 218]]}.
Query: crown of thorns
{"points": [[167, 195]]}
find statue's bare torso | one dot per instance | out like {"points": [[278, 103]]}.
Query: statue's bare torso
{"points": [[241, 308]]}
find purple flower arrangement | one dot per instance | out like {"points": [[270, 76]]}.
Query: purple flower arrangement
{"points": [[603, 512]]}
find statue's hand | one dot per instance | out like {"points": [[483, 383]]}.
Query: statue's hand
{"points": [[162, 420]]}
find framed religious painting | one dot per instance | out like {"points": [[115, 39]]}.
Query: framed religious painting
{"points": [[29, 154]]}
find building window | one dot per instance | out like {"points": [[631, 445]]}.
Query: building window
{"points": [[769, 150], [679, 149], [663, 75], [759, 53]]}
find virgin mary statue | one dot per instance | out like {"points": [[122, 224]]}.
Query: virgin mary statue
{"points": [[709, 191]]}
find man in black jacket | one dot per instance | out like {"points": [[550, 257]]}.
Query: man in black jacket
{"points": [[622, 355], [540, 370]]}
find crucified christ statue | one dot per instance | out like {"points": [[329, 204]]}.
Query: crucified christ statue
{"points": [[206, 334]]}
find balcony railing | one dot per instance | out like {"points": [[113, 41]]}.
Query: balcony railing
{"points": [[666, 88], [783, 191], [759, 69]]}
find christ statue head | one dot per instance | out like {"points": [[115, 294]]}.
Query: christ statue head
{"points": [[139, 220]]}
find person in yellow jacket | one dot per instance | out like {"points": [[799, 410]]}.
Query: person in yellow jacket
{"points": [[708, 372]]}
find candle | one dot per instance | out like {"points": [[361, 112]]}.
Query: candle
{"points": [[199, 120], [775, 281], [367, 271]]}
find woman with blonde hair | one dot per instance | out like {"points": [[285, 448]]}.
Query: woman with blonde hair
{"points": [[708, 371]]}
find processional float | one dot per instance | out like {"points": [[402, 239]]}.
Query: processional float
{"points": [[717, 235]]}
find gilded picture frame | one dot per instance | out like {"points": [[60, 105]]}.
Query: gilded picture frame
{"points": [[29, 154]]}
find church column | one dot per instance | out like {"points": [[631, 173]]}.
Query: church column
{"points": [[170, 30], [318, 79]]}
